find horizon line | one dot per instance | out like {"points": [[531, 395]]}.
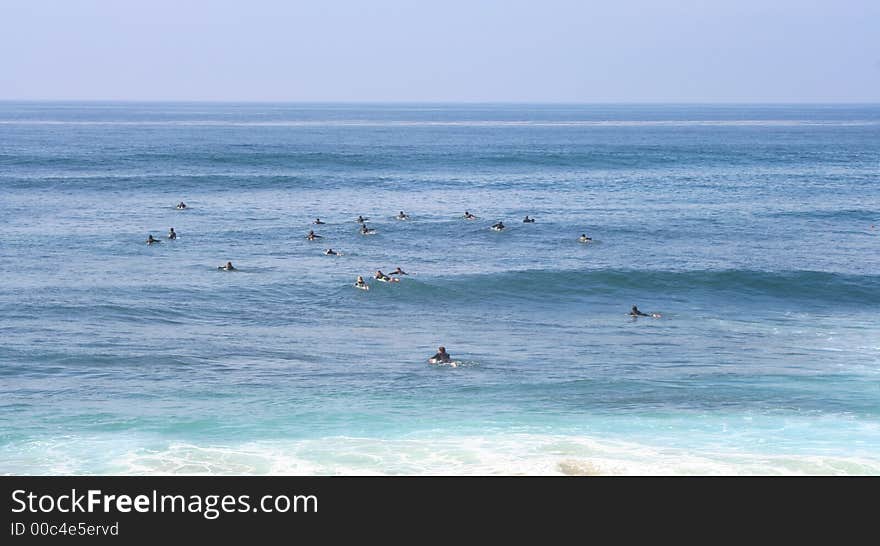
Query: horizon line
{"points": [[443, 102]]}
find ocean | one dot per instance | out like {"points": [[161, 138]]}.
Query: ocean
{"points": [[752, 230]]}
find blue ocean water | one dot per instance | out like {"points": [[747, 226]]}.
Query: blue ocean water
{"points": [[751, 229]]}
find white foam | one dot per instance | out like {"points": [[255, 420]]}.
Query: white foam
{"points": [[495, 454]]}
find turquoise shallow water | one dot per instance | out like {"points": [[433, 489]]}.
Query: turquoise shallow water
{"points": [[752, 229]]}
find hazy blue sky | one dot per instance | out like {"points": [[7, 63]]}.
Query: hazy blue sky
{"points": [[450, 50]]}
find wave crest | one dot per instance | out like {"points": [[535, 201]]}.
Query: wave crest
{"points": [[540, 285]]}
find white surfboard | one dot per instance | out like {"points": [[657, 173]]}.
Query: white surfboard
{"points": [[450, 363]]}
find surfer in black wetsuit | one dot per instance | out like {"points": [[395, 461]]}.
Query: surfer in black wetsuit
{"points": [[317, 221], [361, 219], [172, 234], [398, 271], [469, 216], [312, 236], [402, 216], [528, 220], [331, 252], [151, 240], [636, 313], [584, 239], [382, 276], [227, 267], [499, 226], [366, 231], [181, 205], [360, 282], [441, 356]]}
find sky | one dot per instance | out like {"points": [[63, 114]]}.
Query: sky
{"points": [[564, 51]]}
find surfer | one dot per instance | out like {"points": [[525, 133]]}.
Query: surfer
{"points": [[636, 313], [331, 252], [441, 357], [151, 240], [584, 239], [312, 236], [367, 231], [383, 277], [528, 220], [498, 227], [402, 216], [317, 221], [469, 216], [172, 234], [227, 267], [361, 219], [398, 271], [181, 205], [361, 284]]}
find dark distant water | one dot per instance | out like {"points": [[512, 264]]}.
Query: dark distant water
{"points": [[752, 229]]}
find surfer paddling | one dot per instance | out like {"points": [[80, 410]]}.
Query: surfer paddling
{"points": [[635, 313], [442, 357]]}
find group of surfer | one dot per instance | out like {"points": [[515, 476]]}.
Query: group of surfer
{"points": [[499, 226], [152, 240], [364, 230], [379, 276], [171, 233], [311, 235], [441, 357]]}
